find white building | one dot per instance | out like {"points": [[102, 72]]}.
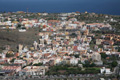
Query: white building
{"points": [[74, 61], [105, 70], [20, 62], [96, 56], [3, 56], [33, 70]]}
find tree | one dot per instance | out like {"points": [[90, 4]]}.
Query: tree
{"points": [[73, 35], [19, 25], [23, 27], [9, 55], [118, 49], [12, 60], [103, 55], [92, 65], [87, 63], [40, 29], [79, 62], [39, 64], [45, 42], [76, 55], [114, 63]]}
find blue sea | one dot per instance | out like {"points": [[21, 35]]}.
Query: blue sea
{"points": [[59, 6]]}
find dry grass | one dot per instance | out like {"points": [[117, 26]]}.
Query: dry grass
{"points": [[14, 37]]}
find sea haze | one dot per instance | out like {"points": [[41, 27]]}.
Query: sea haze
{"points": [[56, 6]]}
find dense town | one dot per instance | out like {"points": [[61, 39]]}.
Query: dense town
{"points": [[68, 46]]}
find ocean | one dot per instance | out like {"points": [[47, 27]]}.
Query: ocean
{"points": [[58, 6]]}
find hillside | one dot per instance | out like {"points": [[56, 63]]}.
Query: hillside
{"points": [[14, 37]]}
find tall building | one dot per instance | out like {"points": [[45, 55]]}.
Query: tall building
{"points": [[20, 47], [96, 56]]}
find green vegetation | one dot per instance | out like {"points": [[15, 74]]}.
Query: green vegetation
{"points": [[114, 57], [9, 55], [103, 55], [73, 35], [118, 49], [38, 64], [77, 55], [115, 25], [23, 28], [67, 69], [12, 60], [92, 43], [19, 26], [114, 63], [88, 64], [91, 17]]}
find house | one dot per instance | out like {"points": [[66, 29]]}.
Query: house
{"points": [[4, 61], [80, 65], [108, 42], [50, 63], [98, 41], [22, 30], [105, 70], [86, 32], [106, 47], [9, 70], [20, 62], [102, 79], [74, 61], [96, 56], [36, 61], [33, 70], [58, 60], [98, 63], [95, 25], [14, 68]]}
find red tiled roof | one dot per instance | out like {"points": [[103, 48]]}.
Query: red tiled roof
{"points": [[54, 21]]}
